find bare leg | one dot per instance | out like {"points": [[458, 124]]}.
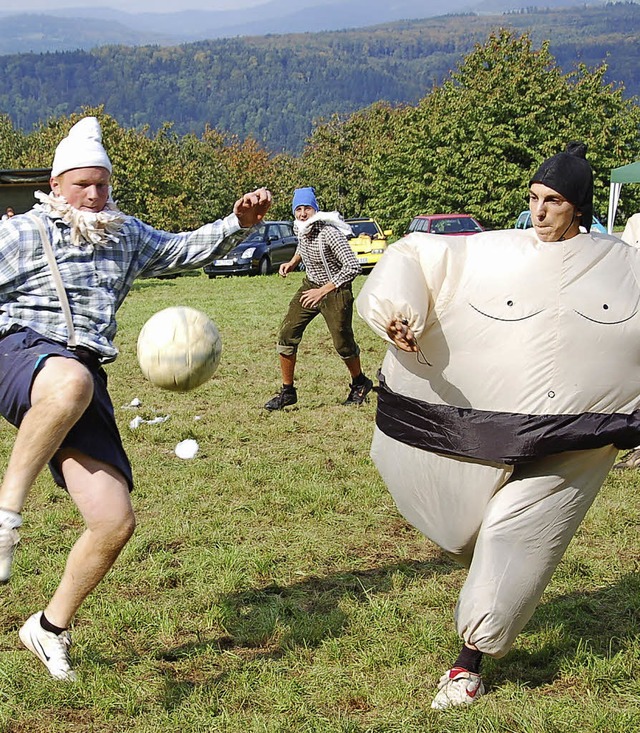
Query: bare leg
{"points": [[61, 392], [287, 367], [102, 496], [353, 365]]}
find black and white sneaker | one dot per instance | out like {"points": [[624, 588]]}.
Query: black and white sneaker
{"points": [[51, 649]]}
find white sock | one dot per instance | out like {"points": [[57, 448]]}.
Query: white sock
{"points": [[10, 519]]}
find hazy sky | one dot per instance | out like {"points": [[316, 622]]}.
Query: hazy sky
{"points": [[132, 6]]}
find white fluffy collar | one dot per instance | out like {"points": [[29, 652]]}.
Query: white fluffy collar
{"points": [[328, 217], [87, 228]]}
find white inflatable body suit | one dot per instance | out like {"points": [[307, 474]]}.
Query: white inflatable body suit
{"points": [[495, 438], [631, 233]]}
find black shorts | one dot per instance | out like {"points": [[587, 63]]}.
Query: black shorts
{"points": [[96, 434]]}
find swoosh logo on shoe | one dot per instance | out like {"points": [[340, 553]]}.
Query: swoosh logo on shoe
{"points": [[473, 693], [44, 654]]}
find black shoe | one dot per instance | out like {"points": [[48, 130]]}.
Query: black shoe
{"points": [[359, 392], [286, 396]]}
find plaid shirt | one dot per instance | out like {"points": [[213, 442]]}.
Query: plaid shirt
{"points": [[327, 256], [96, 279]]}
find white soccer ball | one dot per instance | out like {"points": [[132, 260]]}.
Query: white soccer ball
{"points": [[179, 348]]}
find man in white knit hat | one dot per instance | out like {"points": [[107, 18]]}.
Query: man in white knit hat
{"points": [[52, 383]]}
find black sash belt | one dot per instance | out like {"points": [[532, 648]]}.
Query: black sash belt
{"points": [[499, 437]]}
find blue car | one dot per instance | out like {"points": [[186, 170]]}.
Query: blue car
{"points": [[524, 222]]}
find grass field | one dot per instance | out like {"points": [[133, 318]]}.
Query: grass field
{"points": [[271, 585]]}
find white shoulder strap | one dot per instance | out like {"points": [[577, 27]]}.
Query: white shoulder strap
{"points": [[62, 295]]}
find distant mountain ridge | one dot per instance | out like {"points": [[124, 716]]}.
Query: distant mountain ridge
{"points": [[69, 29], [274, 87]]}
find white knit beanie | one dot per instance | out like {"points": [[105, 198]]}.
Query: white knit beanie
{"points": [[82, 148]]}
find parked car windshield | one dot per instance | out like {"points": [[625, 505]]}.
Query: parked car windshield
{"points": [[364, 227], [437, 224], [255, 235], [455, 225]]}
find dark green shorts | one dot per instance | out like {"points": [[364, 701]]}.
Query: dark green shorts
{"points": [[337, 311]]}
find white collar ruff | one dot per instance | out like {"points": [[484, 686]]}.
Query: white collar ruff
{"points": [[328, 217], [87, 228]]}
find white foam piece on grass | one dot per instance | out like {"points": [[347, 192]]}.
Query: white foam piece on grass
{"points": [[187, 449], [138, 421], [157, 420]]}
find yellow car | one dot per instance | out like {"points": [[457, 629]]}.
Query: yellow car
{"points": [[369, 241]]}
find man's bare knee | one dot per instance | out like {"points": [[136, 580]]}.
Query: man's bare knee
{"points": [[126, 529], [65, 383], [112, 535]]}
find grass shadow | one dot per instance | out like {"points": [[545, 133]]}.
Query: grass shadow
{"points": [[274, 618], [265, 623], [603, 622], [151, 284]]}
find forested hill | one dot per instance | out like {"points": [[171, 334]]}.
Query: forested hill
{"points": [[273, 87]]}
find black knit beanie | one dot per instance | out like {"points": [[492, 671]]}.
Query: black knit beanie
{"points": [[570, 174]]}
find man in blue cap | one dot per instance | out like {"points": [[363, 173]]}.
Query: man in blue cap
{"points": [[331, 267]]}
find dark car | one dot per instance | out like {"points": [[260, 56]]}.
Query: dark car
{"points": [[260, 252], [450, 224]]}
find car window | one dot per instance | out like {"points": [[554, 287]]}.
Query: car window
{"points": [[468, 225], [257, 235], [451, 226], [524, 220], [364, 227], [420, 225]]}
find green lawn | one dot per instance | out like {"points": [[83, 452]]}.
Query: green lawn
{"points": [[271, 584]]}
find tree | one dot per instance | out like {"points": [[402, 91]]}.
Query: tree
{"points": [[471, 144], [11, 143], [343, 159]]}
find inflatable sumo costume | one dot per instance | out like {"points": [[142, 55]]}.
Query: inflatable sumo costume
{"points": [[631, 234], [495, 437]]}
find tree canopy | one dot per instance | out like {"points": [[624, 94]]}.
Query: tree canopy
{"points": [[468, 145]]}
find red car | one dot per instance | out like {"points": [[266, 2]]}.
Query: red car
{"points": [[451, 224]]}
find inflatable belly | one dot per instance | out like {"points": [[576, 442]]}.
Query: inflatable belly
{"points": [[526, 336]]}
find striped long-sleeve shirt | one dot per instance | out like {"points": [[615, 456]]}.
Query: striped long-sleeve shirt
{"points": [[96, 279]]}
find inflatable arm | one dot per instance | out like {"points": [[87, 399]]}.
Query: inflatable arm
{"points": [[398, 287]]}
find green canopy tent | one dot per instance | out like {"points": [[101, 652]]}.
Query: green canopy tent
{"points": [[625, 174]]}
